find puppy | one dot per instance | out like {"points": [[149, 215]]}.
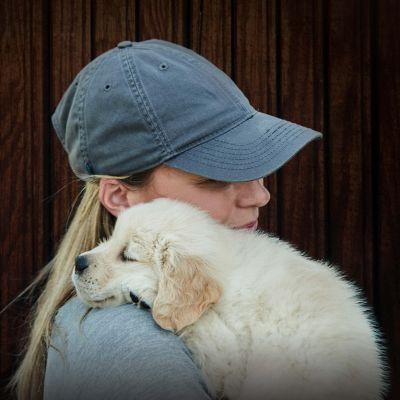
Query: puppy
{"points": [[262, 319]]}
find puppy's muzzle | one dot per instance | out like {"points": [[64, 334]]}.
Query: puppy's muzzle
{"points": [[138, 302], [81, 263]]}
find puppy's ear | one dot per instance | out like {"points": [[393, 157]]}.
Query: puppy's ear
{"points": [[184, 293]]}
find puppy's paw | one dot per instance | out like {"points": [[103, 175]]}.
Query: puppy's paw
{"points": [[139, 303]]}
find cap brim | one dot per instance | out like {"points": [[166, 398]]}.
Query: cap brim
{"points": [[252, 150]]}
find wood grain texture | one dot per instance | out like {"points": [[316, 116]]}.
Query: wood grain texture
{"points": [[330, 65], [387, 176], [301, 187], [256, 74], [24, 130], [345, 171]]}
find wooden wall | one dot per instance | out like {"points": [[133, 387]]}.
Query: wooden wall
{"points": [[330, 65]]}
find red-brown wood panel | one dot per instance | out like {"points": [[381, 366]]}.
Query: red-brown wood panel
{"points": [[162, 19], [349, 198], [110, 22], [301, 184], [332, 65], [255, 49], [211, 32], [386, 116], [24, 176]]}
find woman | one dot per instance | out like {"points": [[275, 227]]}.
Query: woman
{"points": [[144, 120]]}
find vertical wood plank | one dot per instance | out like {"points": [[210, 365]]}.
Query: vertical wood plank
{"points": [[23, 131], [162, 19], [367, 133], [211, 32], [387, 167], [110, 21], [301, 197], [256, 74], [346, 181]]}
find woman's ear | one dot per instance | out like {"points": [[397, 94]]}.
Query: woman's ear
{"points": [[185, 291]]}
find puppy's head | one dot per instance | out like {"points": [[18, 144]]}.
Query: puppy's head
{"points": [[162, 254]]}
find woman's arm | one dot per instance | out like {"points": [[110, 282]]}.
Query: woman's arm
{"points": [[119, 353]]}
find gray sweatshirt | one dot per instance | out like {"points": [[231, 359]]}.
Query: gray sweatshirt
{"points": [[118, 353]]}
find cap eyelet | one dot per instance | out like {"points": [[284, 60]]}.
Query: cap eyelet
{"points": [[89, 168], [163, 66], [107, 87]]}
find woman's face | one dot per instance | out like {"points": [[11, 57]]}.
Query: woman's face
{"points": [[234, 203]]}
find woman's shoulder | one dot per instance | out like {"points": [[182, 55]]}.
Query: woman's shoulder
{"points": [[125, 319], [119, 351], [122, 316], [125, 325]]}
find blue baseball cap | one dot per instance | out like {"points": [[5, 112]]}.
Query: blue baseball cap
{"points": [[142, 104]]}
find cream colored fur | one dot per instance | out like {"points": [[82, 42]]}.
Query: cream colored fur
{"points": [[262, 319]]}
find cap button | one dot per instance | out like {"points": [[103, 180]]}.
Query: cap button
{"points": [[125, 43]]}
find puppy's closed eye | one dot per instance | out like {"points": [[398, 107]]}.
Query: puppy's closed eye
{"points": [[127, 257]]}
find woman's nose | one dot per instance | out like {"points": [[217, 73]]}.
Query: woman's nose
{"points": [[267, 195], [261, 194], [253, 193]]}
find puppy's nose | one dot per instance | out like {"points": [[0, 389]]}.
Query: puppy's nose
{"points": [[81, 263]]}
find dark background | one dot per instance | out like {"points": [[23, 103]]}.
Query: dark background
{"points": [[329, 65]]}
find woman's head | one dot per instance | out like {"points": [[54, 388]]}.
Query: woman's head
{"points": [[233, 204]]}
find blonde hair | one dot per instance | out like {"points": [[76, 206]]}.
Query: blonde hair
{"points": [[90, 223]]}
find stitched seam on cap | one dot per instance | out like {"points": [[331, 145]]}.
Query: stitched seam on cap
{"points": [[214, 134], [136, 94], [250, 165], [249, 146], [221, 84], [141, 99], [151, 111], [57, 128], [186, 56], [282, 133], [82, 95]]}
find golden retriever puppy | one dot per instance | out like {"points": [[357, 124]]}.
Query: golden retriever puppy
{"points": [[263, 320]]}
